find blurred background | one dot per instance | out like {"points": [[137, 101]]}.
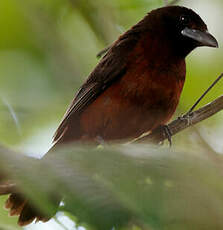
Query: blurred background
{"points": [[48, 48]]}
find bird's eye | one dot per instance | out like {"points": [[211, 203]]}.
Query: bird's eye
{"points": [[184, 20]]}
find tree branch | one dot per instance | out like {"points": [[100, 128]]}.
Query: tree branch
{"points": [[181, 123]]}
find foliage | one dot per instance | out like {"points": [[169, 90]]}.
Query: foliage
{"points": [[122, 186], [47, 49]]}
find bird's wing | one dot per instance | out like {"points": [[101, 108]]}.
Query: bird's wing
{"points": [[111, 67]]}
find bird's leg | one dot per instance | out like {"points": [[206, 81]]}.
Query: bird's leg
{"points": [[186, 117], [167, 133], [100, 140]]}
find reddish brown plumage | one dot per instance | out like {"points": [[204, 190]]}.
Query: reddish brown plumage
{"points": [[138, 102], [148, 80], [135, 88]]}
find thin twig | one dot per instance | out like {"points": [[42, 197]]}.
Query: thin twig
{"points": [[176, 126], [204, 94]]}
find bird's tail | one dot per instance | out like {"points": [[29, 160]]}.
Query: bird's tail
{"points": [[18, 205]]}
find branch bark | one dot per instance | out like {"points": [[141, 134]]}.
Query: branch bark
{"points": [[181, 123]]}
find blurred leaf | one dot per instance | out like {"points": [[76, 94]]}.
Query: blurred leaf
{"points": [[113, 187]]}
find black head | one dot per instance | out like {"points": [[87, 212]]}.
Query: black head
{"points": [[182, 27]]}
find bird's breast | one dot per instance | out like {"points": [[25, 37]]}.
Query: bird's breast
{"points": [[139, 101]]}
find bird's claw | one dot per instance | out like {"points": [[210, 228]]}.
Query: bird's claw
{"points": [[100, 141], [186, 118], [168, 134]]}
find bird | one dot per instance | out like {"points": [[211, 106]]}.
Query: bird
{"points": [[134, 89]]}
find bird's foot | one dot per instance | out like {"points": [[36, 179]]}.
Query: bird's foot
{"points": [[167, 133], [100, 141], [186, 118]]}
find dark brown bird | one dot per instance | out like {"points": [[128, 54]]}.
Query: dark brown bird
{"points": [[137, 85], [134, 89]]}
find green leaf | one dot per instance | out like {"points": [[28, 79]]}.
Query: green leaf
{"points": [[125, 185]]}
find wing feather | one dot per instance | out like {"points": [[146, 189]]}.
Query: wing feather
{"points": [[112, 66]]}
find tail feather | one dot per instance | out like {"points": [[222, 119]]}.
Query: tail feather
{"points": [[19, 206], [27, 215], [15, 204]]}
